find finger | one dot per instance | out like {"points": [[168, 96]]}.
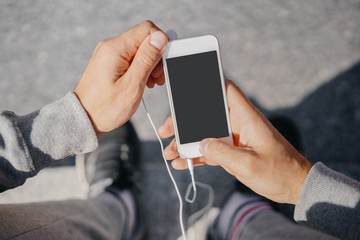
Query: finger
{"points": [[151, 82], [158, 70], [220, 152], [160, 80], [197, 162], [181, 164], [207, 162], [129, 41], [245, 118], [146, 58], [167, 129], [112, 56], [238, 102], [171, 151]]}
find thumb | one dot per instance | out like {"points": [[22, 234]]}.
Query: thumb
{"points": [[147, 57], [219, 152]]}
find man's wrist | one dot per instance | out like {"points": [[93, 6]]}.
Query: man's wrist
{"points": [[97, 131], [305, 166]]}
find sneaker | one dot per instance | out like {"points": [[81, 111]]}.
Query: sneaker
{"points": [[114, 167]]}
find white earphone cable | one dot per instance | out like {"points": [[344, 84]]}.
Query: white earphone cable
{"points": [[191, 185], [170, 174]]}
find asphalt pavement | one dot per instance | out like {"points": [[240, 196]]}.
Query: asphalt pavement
{"points": [[298, 60]]}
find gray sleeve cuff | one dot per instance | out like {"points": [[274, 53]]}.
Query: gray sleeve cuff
{"points": [[63, 128], [330, 201], [56, 131], [34, 141]]}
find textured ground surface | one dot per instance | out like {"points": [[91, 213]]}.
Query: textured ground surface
{"points": [[298, 59]]}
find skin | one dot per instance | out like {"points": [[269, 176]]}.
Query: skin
{"points": [[113, 83], [261, 158]]}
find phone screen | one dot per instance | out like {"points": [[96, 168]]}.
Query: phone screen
{"points": [[197, 95]]}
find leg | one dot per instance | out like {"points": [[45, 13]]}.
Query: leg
{"points": [[248, 216], [111, 211], [102, 217], [272, 225]]}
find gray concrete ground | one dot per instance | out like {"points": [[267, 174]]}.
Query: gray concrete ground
{"points": [[297, 59]]}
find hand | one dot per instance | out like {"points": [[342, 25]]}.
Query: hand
{"points": [[261, 158], [113, 83]]}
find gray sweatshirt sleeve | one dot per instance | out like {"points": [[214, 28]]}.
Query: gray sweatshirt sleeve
{"points": [[34, 141], [330, 202]]}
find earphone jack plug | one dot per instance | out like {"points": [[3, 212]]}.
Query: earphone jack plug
{"points": [[191, 170]]}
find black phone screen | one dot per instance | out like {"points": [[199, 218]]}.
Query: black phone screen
{"points": [[197, 95]]}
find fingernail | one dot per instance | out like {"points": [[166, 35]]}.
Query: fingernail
{"points": [[204, 146], [173, 164], [158, 40]]}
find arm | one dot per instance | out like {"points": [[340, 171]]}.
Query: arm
{"points": [[34, 141], [330, 202], [108, 94]]}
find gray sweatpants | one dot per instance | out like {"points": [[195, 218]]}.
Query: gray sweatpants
{"points": [[272, 225], [103, 217]]}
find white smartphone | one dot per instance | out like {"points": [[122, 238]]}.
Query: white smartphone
{"points": [[196, 91]]}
